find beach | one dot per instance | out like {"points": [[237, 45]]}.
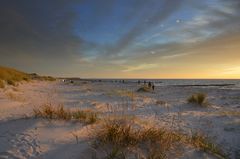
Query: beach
{"points": [[23, 135]]}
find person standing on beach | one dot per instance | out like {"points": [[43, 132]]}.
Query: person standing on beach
{"points": [[153, 86], [149, 84]]}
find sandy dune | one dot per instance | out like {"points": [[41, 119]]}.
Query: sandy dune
{"points": [[22, 136]]}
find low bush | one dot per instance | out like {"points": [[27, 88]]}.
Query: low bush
{"points": [[2, 85], [50, 112], [11, 82], [204, 143], [126, 139], [123, 93], [144, 89], [198, 98]]}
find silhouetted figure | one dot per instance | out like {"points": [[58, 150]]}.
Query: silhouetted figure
{"points": [[123, 81], [139, 81], [149, 84], [153, 87], [145, 82]]}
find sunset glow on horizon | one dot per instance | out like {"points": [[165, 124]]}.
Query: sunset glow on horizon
{"points": [[122, 38]]}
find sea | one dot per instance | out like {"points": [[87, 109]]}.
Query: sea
{"points": [[220, 83]]}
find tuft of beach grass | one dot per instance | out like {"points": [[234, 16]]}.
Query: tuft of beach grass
{"points": [[198, 98], [52, 112]]}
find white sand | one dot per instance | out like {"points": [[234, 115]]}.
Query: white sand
{"points": [[39, 138]]}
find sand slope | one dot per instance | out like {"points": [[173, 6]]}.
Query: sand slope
{"points": [[24, 137]]}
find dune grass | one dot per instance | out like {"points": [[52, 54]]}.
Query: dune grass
{"points": [[121, 138], [205, 144], [2, 84], [51, 112], [124, 139], [198, 98], [144, 89], [45, 78], [10, 76], [230, 113], [161, 102], [15, 97], [123, 93]]}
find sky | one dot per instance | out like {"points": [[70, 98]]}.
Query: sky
{"points": [[122, 38]]}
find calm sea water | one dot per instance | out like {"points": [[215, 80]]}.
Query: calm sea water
{"points": [[230, 83], [223, 83]]}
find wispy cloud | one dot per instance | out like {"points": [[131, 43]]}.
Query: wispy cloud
{"points": [[140, 67], [234, 70], [118, 62], [175, 55]]}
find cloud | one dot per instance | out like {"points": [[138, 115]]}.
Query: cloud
{"points": [[140, 67], [175, 55], [150, 19], [40, 29], [118, 62], [235, 70]]}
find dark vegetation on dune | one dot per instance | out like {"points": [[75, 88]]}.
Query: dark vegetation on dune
{"points": [[52, 112], [10, 76], [198, 98], [122, 138]]}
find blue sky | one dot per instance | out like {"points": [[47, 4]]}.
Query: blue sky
{"points": [[122, 38]]}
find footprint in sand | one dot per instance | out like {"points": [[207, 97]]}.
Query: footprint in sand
{"points": [[24, 146]]}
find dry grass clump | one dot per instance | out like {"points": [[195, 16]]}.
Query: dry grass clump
{"points": [[2, 84], [123, 93], [50, 112], [15, 97], [11, 82], [229, 113], [161, 102], [123, 139], [144, 89], [205, 144], [85, 115], [46, 78], [198, 98]]}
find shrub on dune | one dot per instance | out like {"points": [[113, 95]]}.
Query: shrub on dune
{"points": [[50, 112], [202, 142], [144, 89], [85, 115], [126, 139], [198, 98], [2, 84], [11, 82], [122, 138]]}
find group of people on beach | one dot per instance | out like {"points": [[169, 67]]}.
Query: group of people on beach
{"points": [[148, 84]]}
